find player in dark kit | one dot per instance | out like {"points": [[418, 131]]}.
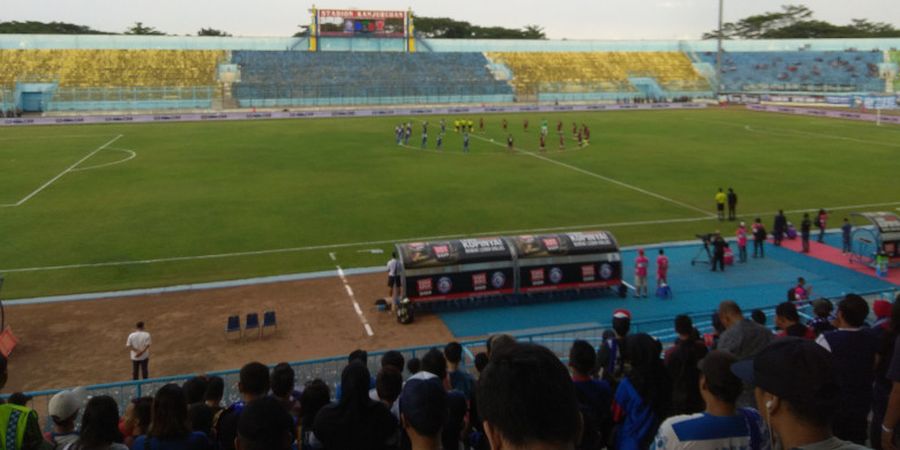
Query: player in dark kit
{"points": [[505, 125], [562, 141], [543, 143], [559, 126], [574, 128], [525, 125], [481, 124], [509, 143]]}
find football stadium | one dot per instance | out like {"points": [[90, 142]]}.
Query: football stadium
{"points": [[619, 234]]}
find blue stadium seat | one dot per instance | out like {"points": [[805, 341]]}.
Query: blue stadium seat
{"points": [[268, 322], [252, 323], [233, 324]]}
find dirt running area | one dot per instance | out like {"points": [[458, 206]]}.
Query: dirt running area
{"points": [[81, 343]]}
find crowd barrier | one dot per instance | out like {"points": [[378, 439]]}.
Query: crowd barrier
{"points": [[401, 112], [329, 369]]}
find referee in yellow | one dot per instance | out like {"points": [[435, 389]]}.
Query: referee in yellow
{"points": [[720, 204]]}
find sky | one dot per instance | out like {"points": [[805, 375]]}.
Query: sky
{"points": [[561, 19]]}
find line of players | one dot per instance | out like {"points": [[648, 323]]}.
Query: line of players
{"points": [[403, 132]]}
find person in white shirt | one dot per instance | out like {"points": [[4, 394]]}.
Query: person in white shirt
{"points": [[393, 269], [139, 344]]}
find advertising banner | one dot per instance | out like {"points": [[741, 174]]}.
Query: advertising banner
{"points": [[562, 261]]}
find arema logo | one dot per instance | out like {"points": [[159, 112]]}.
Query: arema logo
{"points": [[606, 271], [498, 280], [444, 285]]}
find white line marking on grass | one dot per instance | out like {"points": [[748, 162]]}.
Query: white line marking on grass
{"points": [[132, 155], [63, 136], [412, 239], [331, 255], [608, 179], [60, 175], [356, 307], [783, 133]]}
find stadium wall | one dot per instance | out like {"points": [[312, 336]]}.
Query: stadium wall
{"points": [[38, 41]]}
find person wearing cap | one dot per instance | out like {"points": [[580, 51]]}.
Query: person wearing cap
{"points": [[611, 354], [641, 264], [264, 425], [787, 319], [139, 344], [853, 350], [526, 400], [797, 392], [63, 410], [423, 412], [742, 338], [721, 425]]}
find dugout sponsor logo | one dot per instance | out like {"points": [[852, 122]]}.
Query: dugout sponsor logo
{"points": [[494, 109], [537, 277], [424, 287], [420, 111], [588, 272], [302, 114], [445, 285], [529, 108], [479, 281]]}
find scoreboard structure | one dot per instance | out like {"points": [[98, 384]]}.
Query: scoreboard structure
{"points": [[355, 23]]}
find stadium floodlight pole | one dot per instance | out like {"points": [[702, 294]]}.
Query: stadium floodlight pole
{"points": [[719, 50]]}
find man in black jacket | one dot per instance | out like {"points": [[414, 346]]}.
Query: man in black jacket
{"points": [[732, 204], [779, 227], [719, 246]]}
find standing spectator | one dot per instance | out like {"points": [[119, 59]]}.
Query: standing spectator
{"points": [[788, 321], [742, 338], [662, 269], [388, 385], [434, 365], [611, 356], [882, 432], [805, 227], [779, 227], [846, 229], [282, 383], [393, 270], [99, 426], [758, 316], [797, 392], [215, 390], [169, 428], [719, 246], [253, 383], [759, 239], [594, 396], [641, 264], [265, 425], [63, 410], [355, 421], [853, 351], [19, 422], [681, 362], [139, 344], [460, 380], [393, 361], [642, 398], [732, 204], [545, 418], [821, 323], [741, 234], [720, 204], [722, 425], [822, 223], [423, 412], [315, 396]]}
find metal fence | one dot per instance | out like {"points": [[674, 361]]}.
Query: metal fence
{"points": [[329, 369]]}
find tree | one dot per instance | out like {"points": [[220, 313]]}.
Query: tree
{"points": [[796, 21], [139, 29], [33, 27], [534, 32], [212, 32]]}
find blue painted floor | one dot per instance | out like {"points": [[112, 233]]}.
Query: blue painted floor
{"points": [[758, 283]]}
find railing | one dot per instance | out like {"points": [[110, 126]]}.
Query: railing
{"points": [[130, 98], [329, 369]]}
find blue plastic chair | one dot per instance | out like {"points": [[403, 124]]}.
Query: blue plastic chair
{"points": [[233, 324], [268, 321], [252, 323]]}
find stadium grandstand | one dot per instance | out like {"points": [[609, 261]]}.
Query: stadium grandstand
{"points": [[511, 353]]}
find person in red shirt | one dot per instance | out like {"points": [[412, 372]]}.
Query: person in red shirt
{"points": [[742, 242], [788, 322], [662, 269], [801, 291], [640, 274]]}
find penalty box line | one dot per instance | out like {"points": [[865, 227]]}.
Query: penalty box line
{"points": [[605, 178], [61, 174]]}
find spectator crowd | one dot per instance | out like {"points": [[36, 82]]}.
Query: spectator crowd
{"points": [[830, 383]]}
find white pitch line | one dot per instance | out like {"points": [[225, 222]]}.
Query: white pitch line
{"points": [[132, 153], [331, 255], [69, 169], [356, 307], [607, 179], [784, 133]]}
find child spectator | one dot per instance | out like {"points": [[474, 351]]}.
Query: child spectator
{"points": [[801, 291], [758, 316], [641, 264], [413, 366], [460, 380], [137, 419], [662, 269]]}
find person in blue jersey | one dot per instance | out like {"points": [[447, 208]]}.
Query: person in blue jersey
{"points": [[169, 428], [408, 133], [594, 396], [465, 142], [253, 383], [722, 425], [642, 397], [440, 141], [611, 356]]}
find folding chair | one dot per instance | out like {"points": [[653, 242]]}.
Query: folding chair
{"points": [[268, 321], [252, 323], [233, 324]]}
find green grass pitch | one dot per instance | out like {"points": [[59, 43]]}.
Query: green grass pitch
{"points": [[214, 201]]}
